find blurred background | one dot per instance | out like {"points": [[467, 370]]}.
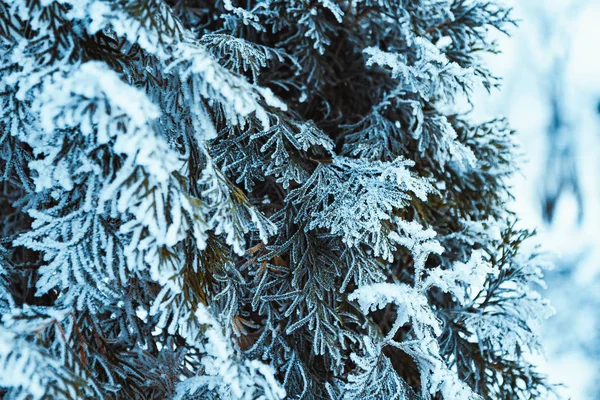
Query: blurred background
{"points": [[551, 95]]}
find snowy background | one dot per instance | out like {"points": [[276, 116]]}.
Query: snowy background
{"points": [[551, 95]]}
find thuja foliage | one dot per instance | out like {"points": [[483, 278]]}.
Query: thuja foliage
{"points": [[260, 199]]}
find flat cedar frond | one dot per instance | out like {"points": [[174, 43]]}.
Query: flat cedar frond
{"points": [[258, 200]]}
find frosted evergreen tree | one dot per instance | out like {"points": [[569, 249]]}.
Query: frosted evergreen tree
{"points": [[258, 200]]}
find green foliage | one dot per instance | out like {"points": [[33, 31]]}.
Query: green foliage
{"points": [[258, 200]]}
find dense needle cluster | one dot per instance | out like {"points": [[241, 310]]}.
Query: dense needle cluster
{"points": [[261, 199]]}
